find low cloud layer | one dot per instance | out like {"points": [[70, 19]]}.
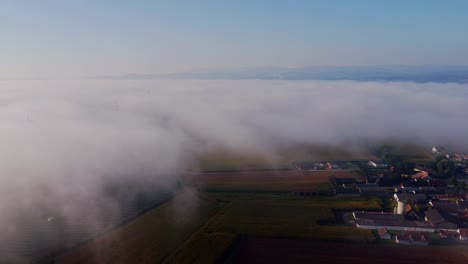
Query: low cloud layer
{"points": [[64, 142]]}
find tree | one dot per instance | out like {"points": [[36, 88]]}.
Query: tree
{"points": [[445, 167]]}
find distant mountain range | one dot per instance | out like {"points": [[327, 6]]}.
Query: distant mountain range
{"points": [[388, 73]]}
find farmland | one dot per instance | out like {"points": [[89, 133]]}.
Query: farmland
{"points": [[270, 215], [220, 218], [220, 159], [148, 239], [237, 211]]}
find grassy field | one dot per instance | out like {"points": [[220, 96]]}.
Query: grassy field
{"points": [[151, 237], [265, 180]]}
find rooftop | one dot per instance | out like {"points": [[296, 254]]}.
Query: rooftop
{"points": [[378, 216]]}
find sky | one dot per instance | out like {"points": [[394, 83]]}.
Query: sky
{"points": [[62, 39]]}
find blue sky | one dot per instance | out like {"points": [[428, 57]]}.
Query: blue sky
{"points": [[85, 37]]}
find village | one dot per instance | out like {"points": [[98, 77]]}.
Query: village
{"points": [[423, 205]]}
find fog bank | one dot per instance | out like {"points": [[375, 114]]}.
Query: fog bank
{"points": [[64, 142]]}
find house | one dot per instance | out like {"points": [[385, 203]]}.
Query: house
{"points": [[463, 233], [414, 238], [421, 175], [426, 169], [436, 220], [383, 233]]}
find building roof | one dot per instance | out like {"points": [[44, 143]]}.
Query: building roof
{"points": [[434, 217], [374, 190], [414, 197], [445, 207], [408, 209], [392, 223], [341, 181], [437, 220], [378, 216], [450, 196], [347, 190], [421, 175], [462, 205], [426, 169]]}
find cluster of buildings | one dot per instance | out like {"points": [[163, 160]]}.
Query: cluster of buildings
{"points": [[426, 207], [322, 165]]}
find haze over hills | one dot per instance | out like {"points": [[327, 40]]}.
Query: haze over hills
{"points": [[382, 73]]}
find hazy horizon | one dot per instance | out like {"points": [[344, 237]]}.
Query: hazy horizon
{"points": [[70, 39]]}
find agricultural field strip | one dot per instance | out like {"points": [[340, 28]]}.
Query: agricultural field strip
{"points": [[200, 230], [319, 202]]}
